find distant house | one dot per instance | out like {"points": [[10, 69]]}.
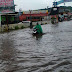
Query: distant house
{"points": [[9, 18]]}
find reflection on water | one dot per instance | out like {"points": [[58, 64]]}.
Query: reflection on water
{"points": [[51, 52], [7, 55], [38, 37]]}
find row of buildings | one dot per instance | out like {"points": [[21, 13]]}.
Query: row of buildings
{"points": [[31, 15], [16, 17]]}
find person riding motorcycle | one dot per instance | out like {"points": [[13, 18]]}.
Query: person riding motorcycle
{"points": [[38, 28]]}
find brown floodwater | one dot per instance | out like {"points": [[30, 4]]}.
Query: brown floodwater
{"points": [[52, 52]]}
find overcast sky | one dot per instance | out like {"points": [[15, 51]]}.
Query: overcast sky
{"points": [[34, 4]]}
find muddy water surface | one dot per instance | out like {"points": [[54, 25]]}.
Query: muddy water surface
{"points": [[52, 52]]}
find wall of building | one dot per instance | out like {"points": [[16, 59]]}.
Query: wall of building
{"points": [[35, 11]]}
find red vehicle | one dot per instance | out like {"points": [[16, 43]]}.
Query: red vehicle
{"points": [[32, 17]]}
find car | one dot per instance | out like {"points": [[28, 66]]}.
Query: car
{"points": [[26, 21]]}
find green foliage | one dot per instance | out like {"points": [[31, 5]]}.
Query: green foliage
{"points": [[53, 18], [16, 27], [22, 27]]}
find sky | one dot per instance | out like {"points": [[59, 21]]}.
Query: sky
{"points": [[25, 5]]}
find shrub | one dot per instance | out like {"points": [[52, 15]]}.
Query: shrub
{"points": [[22, 27], [16, 27], [45, 23]]}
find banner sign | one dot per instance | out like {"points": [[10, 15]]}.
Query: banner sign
{"points": [[59, 2], [67, 0], [54, 11], [62, 1], [7, 6]]}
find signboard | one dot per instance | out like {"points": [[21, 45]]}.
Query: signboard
{"points": [[7, 6], [55, 3], [62, 1], [59, 2], [54, 11]]}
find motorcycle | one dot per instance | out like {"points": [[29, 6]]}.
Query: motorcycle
{"points": [[60, 19], [35, 31]]}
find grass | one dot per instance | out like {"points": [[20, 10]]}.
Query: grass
{"points": [[16, 27]]}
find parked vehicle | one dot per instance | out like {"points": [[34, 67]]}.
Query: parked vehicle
{"points": [[61, 18], [26, 21]]}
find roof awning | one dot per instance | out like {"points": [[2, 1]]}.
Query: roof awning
{"points": [[9, 14]]}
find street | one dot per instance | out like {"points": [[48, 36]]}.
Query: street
{"points": [[52, 52]]}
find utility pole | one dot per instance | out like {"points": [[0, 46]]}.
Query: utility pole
{"points": [[30, 19], [0, 19], [6, 19], [47, 12], [64, 6]]}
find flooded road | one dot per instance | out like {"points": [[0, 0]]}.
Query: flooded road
{"points": [[52, 52]]}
